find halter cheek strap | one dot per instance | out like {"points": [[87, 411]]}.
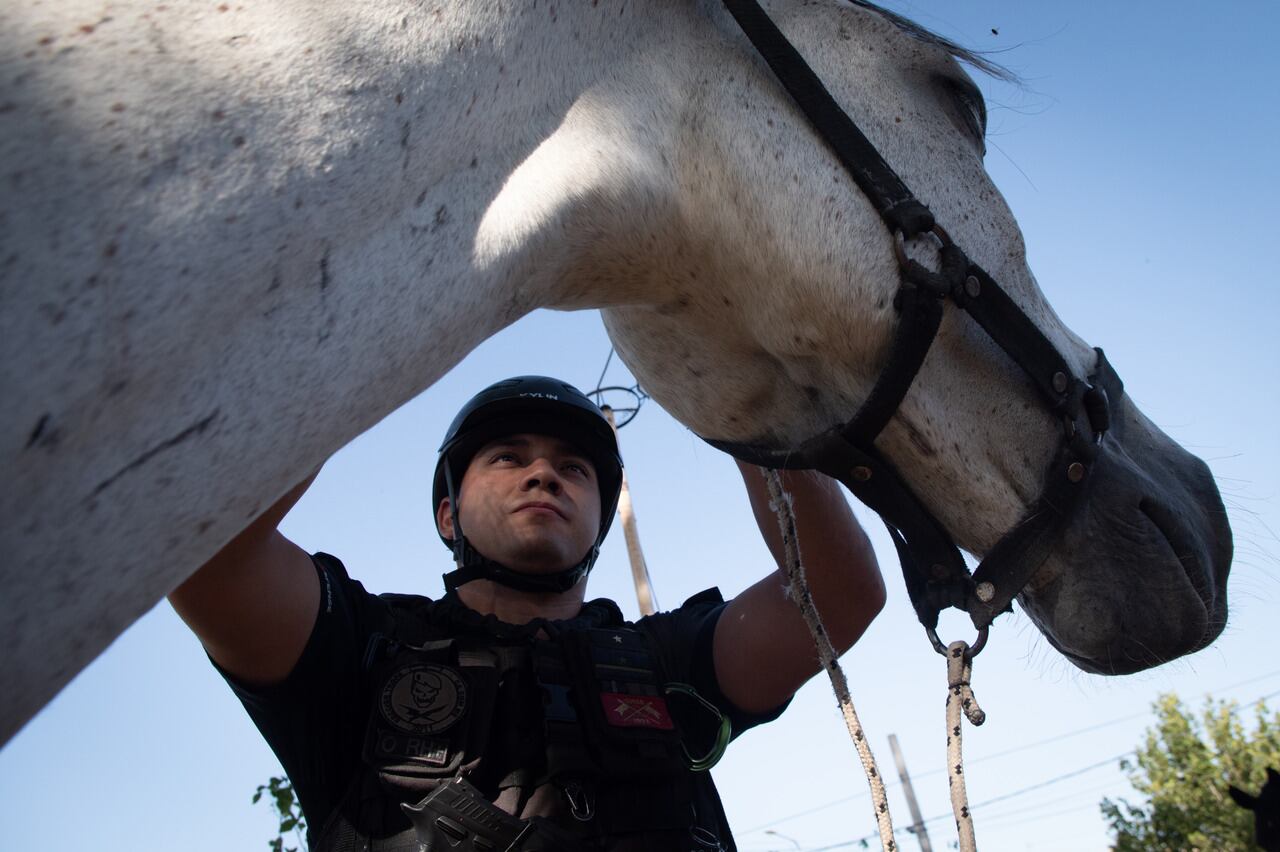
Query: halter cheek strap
{"points": [[934, 570]]}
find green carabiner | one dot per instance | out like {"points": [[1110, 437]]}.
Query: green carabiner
{"points": [[725, 731]]}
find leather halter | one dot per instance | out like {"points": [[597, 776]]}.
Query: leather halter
{"points": [[935, 573]]}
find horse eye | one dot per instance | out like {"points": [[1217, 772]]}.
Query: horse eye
{"points": [[971, 109]]}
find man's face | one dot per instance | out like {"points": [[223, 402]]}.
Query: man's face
{"points": [[529, 502]]}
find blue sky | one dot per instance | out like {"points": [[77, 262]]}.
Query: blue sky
{"points": [[1138, 155]]}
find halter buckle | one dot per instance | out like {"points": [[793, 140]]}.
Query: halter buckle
{"points": [[1097, 407], [939, 234]]}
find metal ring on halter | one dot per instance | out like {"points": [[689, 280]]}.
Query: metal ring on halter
{"points": [[974, 650], [900, 242]]}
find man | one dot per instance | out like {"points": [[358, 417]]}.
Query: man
{"points": [[512, 714]]}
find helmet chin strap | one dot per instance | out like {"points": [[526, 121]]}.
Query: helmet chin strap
{"points": [[474, 565]]}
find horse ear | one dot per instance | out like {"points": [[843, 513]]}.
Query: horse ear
{"points": [[1273, 777], [1242, 798]]}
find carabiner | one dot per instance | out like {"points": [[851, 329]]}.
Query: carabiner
{"points": [[723, 732]]}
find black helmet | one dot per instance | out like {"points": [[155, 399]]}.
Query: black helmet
{"points": [[538, 405]]}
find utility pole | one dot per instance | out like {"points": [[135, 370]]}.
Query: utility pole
{"points": [[917, 823], [639, 570]]}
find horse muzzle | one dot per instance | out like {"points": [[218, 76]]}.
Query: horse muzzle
{"points": [[1140, 575]]}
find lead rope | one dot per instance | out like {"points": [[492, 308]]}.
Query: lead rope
{"points": [[798, 591], [960, 697]]}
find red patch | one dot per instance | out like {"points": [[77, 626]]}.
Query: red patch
{"points": [[636, 711]]}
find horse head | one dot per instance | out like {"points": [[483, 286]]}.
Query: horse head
{"points": [[1266, 810], [778, 311]]}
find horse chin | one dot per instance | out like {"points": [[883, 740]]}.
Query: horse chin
{"points": [[1140, 576]]}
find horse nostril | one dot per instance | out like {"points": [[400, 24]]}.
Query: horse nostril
{"points": [[1181, 544]]}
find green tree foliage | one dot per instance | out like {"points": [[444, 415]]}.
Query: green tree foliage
{"points": [[280, 796], [1183, 769]]}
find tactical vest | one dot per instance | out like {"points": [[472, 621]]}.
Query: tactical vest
{"points": [[570, 729]]}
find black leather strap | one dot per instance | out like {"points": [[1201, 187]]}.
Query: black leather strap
{"points": [[878, 182], [933, 568]]}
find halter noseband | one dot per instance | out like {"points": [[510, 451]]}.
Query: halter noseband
{"points": [[935, 573]]}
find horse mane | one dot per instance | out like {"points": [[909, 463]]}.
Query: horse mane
{"points": [[973, 58]]}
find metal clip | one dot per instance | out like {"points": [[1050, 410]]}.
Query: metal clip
{"points": [[580, 804]]}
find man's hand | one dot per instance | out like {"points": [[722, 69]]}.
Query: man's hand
{"points": [[763, 650], [253, 604]]}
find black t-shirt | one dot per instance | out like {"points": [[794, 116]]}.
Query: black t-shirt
{"points": [[315, 720]]}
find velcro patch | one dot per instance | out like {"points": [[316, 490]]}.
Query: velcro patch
{"points": [[636, 711]]}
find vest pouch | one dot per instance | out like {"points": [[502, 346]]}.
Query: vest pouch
{"points": [[431, 712], [610, 736], [626, 720]]}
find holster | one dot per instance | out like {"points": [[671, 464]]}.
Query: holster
{"points": [[457, 817]]}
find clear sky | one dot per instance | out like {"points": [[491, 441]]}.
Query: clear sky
{"points": [[1139, 156]]}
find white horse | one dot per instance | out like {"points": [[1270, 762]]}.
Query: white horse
{"points": [[236, 236]]}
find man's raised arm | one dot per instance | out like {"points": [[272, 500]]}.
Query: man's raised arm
{"points": [[253, 604], [762, 648]]}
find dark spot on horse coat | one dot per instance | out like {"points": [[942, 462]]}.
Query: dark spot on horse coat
{"points": [[324, 270], [441, 219], [110, 250], [421, 199], [197, 428], [918, 439], [203, 527], [814, 394], [238, 141], [38, 430]]}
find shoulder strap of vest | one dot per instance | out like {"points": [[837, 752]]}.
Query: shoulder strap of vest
{"points": [[711, 596], [406, 618]]}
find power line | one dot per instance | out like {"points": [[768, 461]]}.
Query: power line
{"points": [[1046, 741], [600, 381], [1041, 817], [1006, 796], [1001, 798]]}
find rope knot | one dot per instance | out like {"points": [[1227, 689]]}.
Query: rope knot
{"points": [[959, 672]]}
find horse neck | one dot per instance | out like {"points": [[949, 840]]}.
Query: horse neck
{"points": [[263, 229]]}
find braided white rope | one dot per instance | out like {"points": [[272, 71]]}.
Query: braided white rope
{"points": [[960, 697], [798, 591]]}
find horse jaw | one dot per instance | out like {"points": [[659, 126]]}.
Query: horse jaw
{"points": [[780, 310]]}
